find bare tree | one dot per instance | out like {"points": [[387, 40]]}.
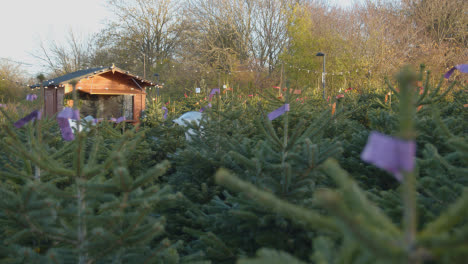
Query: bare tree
{"points": [[269, 34], [144, 32], [429, 32], [12, 79], [65, 57], [217, 32], [442, 20]]}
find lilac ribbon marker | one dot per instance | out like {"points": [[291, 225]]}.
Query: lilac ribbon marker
{"points": [[64, 124], [278, 112], [205, 107], [113, 119], [2, 105], [120, 119], [389, 153], [213, 92], [34, 115], [31, 97], [97, 120], [165, 111], [461, 67]]}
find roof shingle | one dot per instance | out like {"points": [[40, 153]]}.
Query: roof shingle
{"points": [[68, 77]]}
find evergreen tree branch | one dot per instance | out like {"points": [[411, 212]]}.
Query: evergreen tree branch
{"points": [[271, 133], [18, 147], [316, 127], [447, 240], [355, 198], [293, 212], [373, 237], [37, 230], [406, 79], [455, 214], [390, 86], [425, 87]]}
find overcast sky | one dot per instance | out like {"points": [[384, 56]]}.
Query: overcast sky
{"points": [[24, 23]]}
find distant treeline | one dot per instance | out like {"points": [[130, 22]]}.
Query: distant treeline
{"points": [[244, 43]]}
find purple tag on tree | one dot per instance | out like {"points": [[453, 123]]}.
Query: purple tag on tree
{"points": [[64, 123], [120, 119], [389, 153], [213, 92], [206, 107], [2, 105], [461, 67], [165, 111], [65, 129], [36, 114], [31, 97], [278, 112], [97, 120], [69, 113]]}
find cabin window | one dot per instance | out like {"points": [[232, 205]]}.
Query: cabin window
{"points": [[106, 106]]}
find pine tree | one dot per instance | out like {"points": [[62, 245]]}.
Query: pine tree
{"points": [[361, 231], [86, 206], [281, 157], [213, 138]]}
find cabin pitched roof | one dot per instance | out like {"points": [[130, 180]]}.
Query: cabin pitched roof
{"points": [[77, 75]]}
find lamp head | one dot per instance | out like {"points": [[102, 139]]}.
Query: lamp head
{"points": [[320, 54]]}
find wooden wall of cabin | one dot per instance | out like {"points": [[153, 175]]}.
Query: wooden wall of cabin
{"points": [[113, 84]]}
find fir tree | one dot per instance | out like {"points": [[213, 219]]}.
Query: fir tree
{"points": [[367, 234], [281, 157], [86, 206]]}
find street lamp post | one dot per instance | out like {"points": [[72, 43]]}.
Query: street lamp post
{"points": [[157, 85], [321, 54]]}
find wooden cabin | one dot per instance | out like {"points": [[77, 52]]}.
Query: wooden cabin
{"points": [[104, 92]]}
